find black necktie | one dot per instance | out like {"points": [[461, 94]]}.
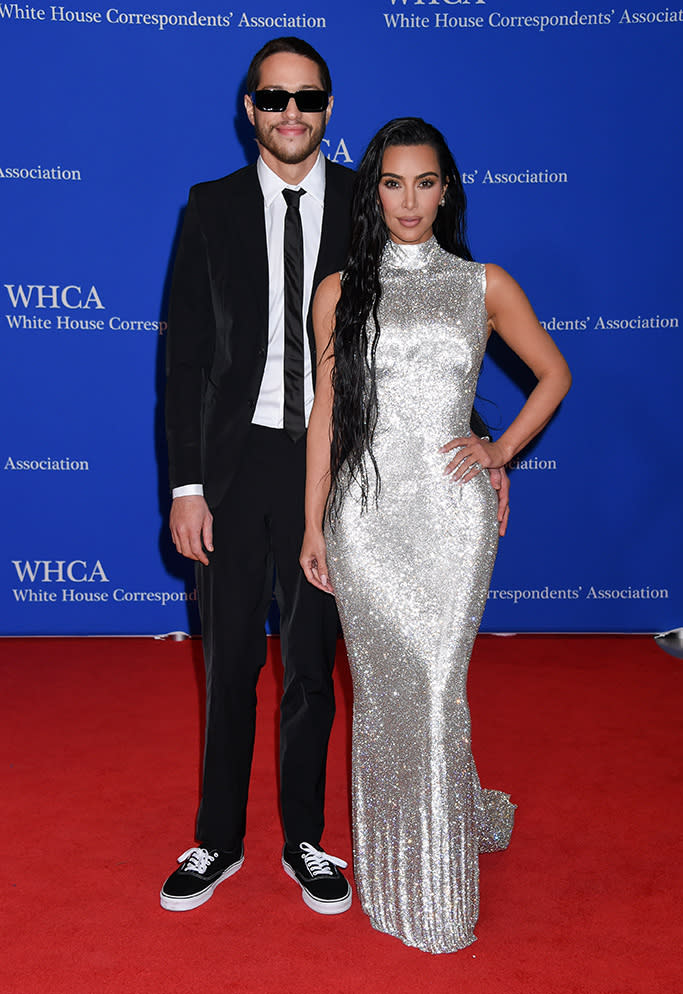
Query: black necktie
{"points": [[295, 422]]}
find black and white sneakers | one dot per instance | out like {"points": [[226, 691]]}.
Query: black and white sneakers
{"points": [[323, 888], [201, 872]]}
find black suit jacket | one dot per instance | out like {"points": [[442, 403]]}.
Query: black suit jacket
{"points": [[218, 320]]}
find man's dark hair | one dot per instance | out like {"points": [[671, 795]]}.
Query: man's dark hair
{"points": [[297, 46]]}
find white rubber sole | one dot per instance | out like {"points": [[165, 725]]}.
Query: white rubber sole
{"points": [[196, 900], [322, 907]]}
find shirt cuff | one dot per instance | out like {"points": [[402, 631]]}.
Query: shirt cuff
{"points": [[189, 490]]}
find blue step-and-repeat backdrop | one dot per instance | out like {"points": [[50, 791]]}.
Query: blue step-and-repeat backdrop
{"points": [[565, 121]]}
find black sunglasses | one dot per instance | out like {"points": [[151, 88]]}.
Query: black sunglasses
{"points": [[307, 101]]}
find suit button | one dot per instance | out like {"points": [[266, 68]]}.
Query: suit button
{"points": [[251, 405], [261, 351]]}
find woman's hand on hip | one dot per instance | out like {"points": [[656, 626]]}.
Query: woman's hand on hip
{"points": [[472, 455]]}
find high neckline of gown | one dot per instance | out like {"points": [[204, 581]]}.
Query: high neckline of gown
{"points": [[409, 256]]}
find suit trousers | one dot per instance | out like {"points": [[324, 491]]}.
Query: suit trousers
{"points": [[257, 528]]}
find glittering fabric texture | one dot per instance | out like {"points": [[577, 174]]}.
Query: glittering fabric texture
{"points": [[411, 577]]}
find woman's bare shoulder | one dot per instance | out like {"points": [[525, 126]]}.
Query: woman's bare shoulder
{"points": [[324, 307], [329, 289], [326, 297]]}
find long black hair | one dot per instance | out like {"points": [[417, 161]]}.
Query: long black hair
{"points": [[354, 415]]}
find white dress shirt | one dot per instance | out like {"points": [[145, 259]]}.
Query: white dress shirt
{"points": [[270, 405]]}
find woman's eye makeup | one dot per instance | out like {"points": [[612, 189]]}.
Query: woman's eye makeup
{"points": [[393, 184]]}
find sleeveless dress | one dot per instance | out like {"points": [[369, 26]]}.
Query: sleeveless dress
{"points": [[411, 576]]}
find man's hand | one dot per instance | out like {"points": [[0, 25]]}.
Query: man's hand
{"points": [[191, 524]]}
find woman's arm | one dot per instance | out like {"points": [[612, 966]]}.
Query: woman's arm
{"points": [[313, 552], [512, 316]]}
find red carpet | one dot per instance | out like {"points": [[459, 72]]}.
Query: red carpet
{"points": [[102, 757]]}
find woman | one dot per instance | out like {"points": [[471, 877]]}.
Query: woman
{"points": [[399, 506]]}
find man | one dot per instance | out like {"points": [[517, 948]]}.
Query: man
{"points": [[241, 369], [237, 405]]}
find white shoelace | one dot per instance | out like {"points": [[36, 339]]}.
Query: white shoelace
{"points": [[318, 862], [197, 859]]}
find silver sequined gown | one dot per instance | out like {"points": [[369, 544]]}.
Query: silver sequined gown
{"points": [[411, 578]]}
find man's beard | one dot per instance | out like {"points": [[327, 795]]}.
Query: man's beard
{"points": [[280, 147]]}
